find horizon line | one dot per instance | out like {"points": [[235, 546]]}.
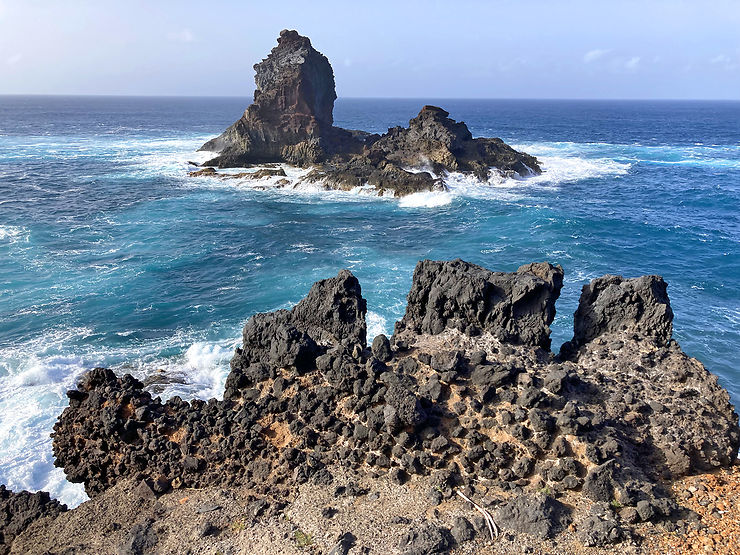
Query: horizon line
{"points": [[528, 98]]}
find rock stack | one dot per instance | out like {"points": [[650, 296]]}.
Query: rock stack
{"points": [[291, 121]]}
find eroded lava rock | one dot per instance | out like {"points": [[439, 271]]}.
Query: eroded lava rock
{"points": [[515, 308], [19, 510], [466, 396]]}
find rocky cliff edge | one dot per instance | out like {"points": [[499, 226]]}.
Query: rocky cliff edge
{"points": [[465, 402]]}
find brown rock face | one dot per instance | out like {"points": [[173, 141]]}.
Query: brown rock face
{"points": [[295, 80], [291, 117]]}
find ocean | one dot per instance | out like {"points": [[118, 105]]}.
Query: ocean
{"points": [[110, 255]]}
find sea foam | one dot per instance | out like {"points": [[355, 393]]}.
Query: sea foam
{"points": [[559, 168], [38, 374]]}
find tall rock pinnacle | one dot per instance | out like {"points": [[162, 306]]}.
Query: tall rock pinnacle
{"points": [[292, 109]]}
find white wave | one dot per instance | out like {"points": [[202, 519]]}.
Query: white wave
{"points": [[376, 324], [13, 234], [35, 376], [430, 199], [31, 398], [199, 372], [561, 164], [730, 314], [719, 156], [557, 170]]}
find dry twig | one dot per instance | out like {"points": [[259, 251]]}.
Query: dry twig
{"points": [[492, 528]]}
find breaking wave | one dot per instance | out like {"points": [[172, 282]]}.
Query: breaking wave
{"points": [[38, 374]]}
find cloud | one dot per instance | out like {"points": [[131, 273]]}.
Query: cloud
{"points": [[724, 61], [593, 55], [184, 35], [512, 64], [14, 59], [632, 63], [720, 59]]}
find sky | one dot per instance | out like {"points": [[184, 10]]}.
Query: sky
{"points": [[458, 49]]}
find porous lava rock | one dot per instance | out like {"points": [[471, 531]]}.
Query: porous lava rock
{"points": [[614, 304], [19, 509], [464, 397], [515, 307], [333, 314], [291, 121], [427, 539]]}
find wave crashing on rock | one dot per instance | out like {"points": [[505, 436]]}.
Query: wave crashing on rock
{"points": [[291, 121]]}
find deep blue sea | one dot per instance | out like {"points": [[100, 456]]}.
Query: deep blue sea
{"points": [[110, 255]]}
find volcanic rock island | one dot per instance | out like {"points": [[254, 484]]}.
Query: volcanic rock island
{"points": [[291, 121]]}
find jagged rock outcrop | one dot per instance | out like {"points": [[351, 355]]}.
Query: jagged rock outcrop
{"points": [[436, 141], [615, 320], [19, 510], [291, 120], [465, 397], [332, 315], [612, 304], [515, 308]]}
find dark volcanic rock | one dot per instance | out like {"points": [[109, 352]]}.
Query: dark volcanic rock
{"points": [[599, 531], [462, 530], [615, 423], [612, 303], [433, 139], [332, 314], [616, 319], [515, 308], [142, 540], [432, 142], [384, 176], [402, 407], [382, 348], [427, 539], [19, 510], [291, 121], [538, 515]]}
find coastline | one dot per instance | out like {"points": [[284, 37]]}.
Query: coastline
{"points": [[441, 355]]}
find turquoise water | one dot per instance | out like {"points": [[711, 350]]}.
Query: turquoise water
{"points": [[110, 255]]}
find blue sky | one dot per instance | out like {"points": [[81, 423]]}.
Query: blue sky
{"points": [[464, 48]]}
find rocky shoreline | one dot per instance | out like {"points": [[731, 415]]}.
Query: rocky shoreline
{"points": [[291, 121], [322, 442]]}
